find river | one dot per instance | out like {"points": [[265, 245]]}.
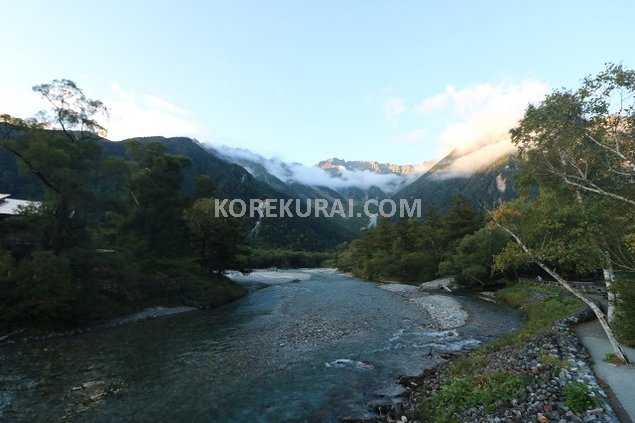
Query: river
{"points": [[307, 345]]}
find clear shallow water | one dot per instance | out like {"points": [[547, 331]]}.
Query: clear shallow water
{"points": [[315, 349]]}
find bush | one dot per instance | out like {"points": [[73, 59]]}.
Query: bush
{"points": [[39, 291], [624, 325], [577, 396]]}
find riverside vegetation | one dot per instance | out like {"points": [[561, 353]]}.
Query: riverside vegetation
{"points": [[533, 374]]}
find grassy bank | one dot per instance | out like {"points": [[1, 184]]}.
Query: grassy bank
{"points": [[475, 379]]}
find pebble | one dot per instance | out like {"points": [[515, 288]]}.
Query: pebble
{"points": [[543, 400]]}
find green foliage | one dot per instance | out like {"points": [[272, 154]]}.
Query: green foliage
{"points": [[154, 220], [109, 235], [491, 391], [260, 258], [624, 325], [38, 290], [613, 359], [410, 250], [220, 242], [544, 306], [582, 140], [472, 263], [551, 360], [577, 396], [557, 230]]}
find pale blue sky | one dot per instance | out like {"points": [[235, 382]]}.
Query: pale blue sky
{"points": [[307, 80]]}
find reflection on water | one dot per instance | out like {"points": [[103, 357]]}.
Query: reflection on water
{"points": [[317, 347]]}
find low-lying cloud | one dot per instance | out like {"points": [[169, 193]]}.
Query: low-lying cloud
{"points": [[314, 176], [484, 114]]}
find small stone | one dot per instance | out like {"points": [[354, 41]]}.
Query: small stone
{"points": [[404, 419]]}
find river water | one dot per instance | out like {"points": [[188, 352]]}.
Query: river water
{"points": [[311, 345]]}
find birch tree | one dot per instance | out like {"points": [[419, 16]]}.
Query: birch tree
{"points": [[554, 233], [584, 140]]}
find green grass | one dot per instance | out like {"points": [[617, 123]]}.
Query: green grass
{"points": [[553, 361], [490, 391], [544, 306], [613, 359], [467, 383], [577, 396]]}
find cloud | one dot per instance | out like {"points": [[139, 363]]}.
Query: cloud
{"points": [[433, 104], [314, 176], [483, 115], [136, 114], [393, 108], [131, 114], [413, 137], [19, 102]]}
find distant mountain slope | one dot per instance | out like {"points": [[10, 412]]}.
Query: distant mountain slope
{"points": [[489, 186], [335, 178], [335, 165], [231, 180]]}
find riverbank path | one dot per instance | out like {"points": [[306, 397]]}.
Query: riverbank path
{"points": [[621, 379]]}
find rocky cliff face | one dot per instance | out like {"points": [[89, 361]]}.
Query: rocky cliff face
{"points": [[336, 165]]}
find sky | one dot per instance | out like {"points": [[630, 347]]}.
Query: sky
{"points": [[391, 81]]}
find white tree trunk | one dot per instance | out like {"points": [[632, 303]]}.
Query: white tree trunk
{"points": [[609, 278], [617, 350]]}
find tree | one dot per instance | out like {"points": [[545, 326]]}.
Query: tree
{"points": [[583, 141], [552, 232], [58, 148], [220, 242], [72, 112], [472, 263], [584, 138], [462, 219], [155, 218]]}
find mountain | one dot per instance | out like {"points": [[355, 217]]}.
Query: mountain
{"points": [[335, 166], [231, 181], [331, 178], [487, 186]]}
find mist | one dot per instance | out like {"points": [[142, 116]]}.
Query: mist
{"points": [[484, 115], [314, 176]]}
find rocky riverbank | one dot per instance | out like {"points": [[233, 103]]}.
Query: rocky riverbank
{"points": [[549, 363]]}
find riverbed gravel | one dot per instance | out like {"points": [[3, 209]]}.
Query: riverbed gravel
{"points": [[550, 361]]}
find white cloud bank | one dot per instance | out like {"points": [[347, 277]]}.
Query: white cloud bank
{"points": [[484, 114], [130, 114], [134, 115], [314, 176]]}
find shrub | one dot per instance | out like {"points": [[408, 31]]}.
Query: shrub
{"points": [[490, 391], [577, 396], [624, 324]]}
